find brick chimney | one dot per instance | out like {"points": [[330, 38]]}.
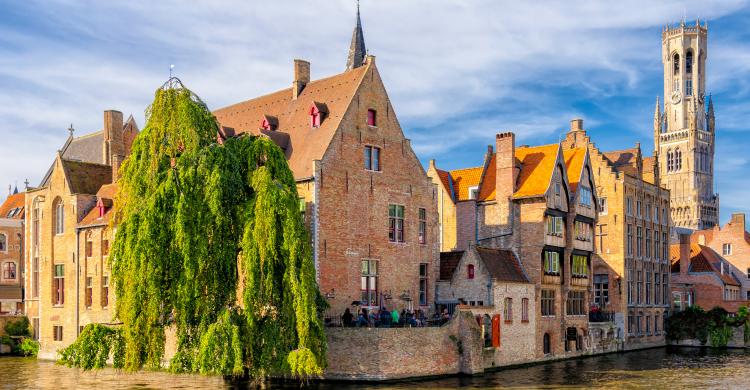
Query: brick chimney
{"points": [[738, 219], [576, 124], [684, 254], [114, 144], [301, 77], [506, 173]]}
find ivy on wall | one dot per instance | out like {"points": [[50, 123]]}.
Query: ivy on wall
{"points": [[209, 240], [713, 327]]}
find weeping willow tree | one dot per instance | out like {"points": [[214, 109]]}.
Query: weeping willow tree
{"points": [[210, 240]]}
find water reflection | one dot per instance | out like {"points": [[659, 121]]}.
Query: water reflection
{"points": [[652, 369]]}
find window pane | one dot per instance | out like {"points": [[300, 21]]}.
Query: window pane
{"points": [[368, 160], [375, 159]]}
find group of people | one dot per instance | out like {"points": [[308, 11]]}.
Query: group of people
{"points": [[385, 319]]}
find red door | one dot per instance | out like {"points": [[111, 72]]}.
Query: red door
{"points": [[496, 331]]}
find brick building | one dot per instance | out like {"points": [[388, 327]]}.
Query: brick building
{"points": [[368, 204], [68, 239], [11, 253], [732, 241], [703, 278], [492, 284], [631, 269], [539, 203]]}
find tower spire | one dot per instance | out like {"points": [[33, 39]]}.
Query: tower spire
{"points": [[357, 50]]}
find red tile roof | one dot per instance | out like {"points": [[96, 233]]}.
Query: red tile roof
{"points": [[305, 142], [702, 259], [463, 179], [447, 181], [106, 194], [537, 165], [13, 207]]}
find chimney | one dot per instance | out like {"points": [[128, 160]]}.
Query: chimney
{"points": [[576, 124], [738, 219], [301, 77], [506, 173], [684, 254], [114, 144]]}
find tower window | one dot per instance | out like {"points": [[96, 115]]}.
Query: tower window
{"points": [[676, 63], [689, 62], [689, 87]]}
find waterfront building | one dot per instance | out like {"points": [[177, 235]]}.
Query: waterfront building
{"points": [[685, 131], [701, 277], [492, 284], [369, 206], [631, 268], [732, 242], [11, 253], [68, 239], [538, 202]]}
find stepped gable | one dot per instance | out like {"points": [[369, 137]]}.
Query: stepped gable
{"points": [[624, 161]]}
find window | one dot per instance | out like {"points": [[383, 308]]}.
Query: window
{"points": [[639, 288], [9, 270], [575, 306], [665, 288], [396, 223], [648, 288], [423, 284], [369, 283], [548, 302], [664, 219], [726, 249], [657, 288], [105, 291], [3, 243], [639, 208], [639, 241], [648, 324], [474, 192], [689, 87], [630, 240], [601, 290], [677, 301], [551, 263], [35, 277], [372, 158], [316, 116], [58, 286], [656, 245], [585, 199], [58, 332], [603, 206], [422, 226], [105, 247], [525, 310], [372, 117], [508, 310], [678, 160], [59, 217], [470, 271], [582, 231], [664, 247], [648, 212], [580, 266], [89, 248], [629, 206], [487, 330], [89, 291], [547, 344], [648, 243], [676, 64], [602, 237], [656, 214], [554, 226], [689, 61]]}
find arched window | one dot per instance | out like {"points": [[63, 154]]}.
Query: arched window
{"points": [[547, 344], [670, 161], [59, 208], [689, 62], [676, 63], [678, 160], [3, 243], [9, 270]]}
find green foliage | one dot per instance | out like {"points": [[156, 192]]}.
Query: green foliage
{"points": [[20, 327], [714, 326], [197, 224], [28, 347], [93, 347]]}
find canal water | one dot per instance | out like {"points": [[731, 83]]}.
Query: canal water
{"points": [[662, 368]]}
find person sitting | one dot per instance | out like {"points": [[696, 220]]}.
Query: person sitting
{"points": [[347, 318], [385, 318], [373, 319], [395, 317], [362, 318], [421, 319], [445, 317]]}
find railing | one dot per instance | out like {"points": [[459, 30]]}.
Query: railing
{"points": [[601, 316]]}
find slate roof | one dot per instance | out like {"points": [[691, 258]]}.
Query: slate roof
{"points": [[305, 143], [702, 259], [86, 148], [502, 265], [448, 263], [86, 178], [13, 207]]}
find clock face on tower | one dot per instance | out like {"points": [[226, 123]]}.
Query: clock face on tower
{"points": [[676, 97]]}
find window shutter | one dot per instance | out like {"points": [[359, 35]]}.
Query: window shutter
{"points": [[496, 331]]}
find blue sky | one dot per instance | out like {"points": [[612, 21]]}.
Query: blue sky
{"points": [[456, 71]]}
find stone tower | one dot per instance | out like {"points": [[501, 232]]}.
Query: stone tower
{"points": [[684, 132]]}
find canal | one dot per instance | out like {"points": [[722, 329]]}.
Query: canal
{"points": [[660, 368]]}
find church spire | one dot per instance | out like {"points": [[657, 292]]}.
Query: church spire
{"points": [[711, 117], [357, 49]]}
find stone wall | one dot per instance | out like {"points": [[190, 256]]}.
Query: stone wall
{"points": [[736, 341]]}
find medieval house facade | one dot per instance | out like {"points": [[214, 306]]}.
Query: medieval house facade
{"points": [[12, 213], [731, 242]]}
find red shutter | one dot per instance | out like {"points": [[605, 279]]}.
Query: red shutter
{"points": [[371, 118], [470, 271], [496, 331]]}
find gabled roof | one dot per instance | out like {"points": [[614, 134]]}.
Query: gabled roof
{"points": [[447, 181], [448, 263], [13, 207], [537, 166], [86, 148], [106, 195], [702, 259], [502, 264], [623, 160], [305, 142], [489, 189], [86, 178], [463, 179], [574, 160]]}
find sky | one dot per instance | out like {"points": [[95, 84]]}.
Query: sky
{"points": [[457, 71]]}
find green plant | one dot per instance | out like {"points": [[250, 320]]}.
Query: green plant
{"points": [[20, 327], [92, 348], [719, 336], [28, 347]]}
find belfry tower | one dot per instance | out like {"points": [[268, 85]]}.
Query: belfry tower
{"points": [[684, 131]]}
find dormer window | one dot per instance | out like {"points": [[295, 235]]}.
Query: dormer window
{"points": [[317, 114], [372, 117], [269, 123], [474, 192]]}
